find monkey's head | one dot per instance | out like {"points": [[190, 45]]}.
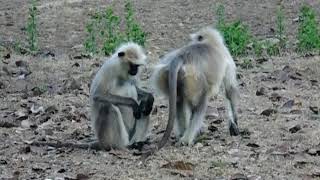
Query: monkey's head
{"points": [[206, 34], [131, 56]]}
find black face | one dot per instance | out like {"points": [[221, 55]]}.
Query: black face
{"points": [[133, 69]]}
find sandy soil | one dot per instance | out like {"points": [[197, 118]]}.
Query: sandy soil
{"points": [[282, 145]]}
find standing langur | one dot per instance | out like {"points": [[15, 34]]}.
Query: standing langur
{"points": [[189, 76], [119, 108]]}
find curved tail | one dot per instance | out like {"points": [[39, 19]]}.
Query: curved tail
{"points": [[175, 66], [92, 145]]}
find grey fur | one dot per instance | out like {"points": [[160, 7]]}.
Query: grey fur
{"points": [[199, 69]]}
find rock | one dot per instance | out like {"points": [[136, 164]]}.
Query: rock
{"points": [[295, 129], [275, 97], [296, 111], [37, 91], [314, 109], [268, 112], [26, 124], [2, 85], [313, 152], [26, 149], [21, 63], [7, 55], [288, 104], [198, 145], [212, 128], [239, 176], [36, 110], [3, 162], [218, 121], [313, 82], [253, 145], [261, 60], [75, 84], [51, 109], [21, 114], [261, 91]]}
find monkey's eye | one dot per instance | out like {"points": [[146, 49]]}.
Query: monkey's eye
{"points": [[200, 38], [121, 54]]}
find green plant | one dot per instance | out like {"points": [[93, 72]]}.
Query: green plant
{"points": [[273, 49], [112, 37], [134, 32], [258, 47], [220, 13], [104, 34], [32, 27], [90, 43], [246, 64], [308, 30], [280, 27], [236, 34]]}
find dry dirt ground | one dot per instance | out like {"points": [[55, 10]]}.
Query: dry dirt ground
{"points": [[278, 117]]}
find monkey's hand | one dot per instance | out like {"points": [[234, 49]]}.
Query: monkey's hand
{"points": [[136, 111], [146, 105]]}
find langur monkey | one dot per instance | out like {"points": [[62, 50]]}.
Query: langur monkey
{"points": [[117, 117], [189, 76]]}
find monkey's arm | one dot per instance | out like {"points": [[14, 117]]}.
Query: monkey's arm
{"points": [[115, 99], [119, 100]]}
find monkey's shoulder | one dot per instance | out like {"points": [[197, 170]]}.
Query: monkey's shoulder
{"points": [[197, 48]]}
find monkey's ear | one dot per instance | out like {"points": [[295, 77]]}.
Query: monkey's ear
{"points": [[121, 54]]}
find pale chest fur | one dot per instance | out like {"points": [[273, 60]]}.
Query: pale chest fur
{"points": [[125, 89]]}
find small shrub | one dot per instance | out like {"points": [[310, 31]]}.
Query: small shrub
{"points": [[280, 27], [308, 30], [134, 32], [258, 47], [272, 49], [246, 64], [90, 43], [104, 34], [32, 28], [236, 34], [112, 37]]}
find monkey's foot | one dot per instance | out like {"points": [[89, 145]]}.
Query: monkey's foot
{"points": [[186, 141], [234, 130]]}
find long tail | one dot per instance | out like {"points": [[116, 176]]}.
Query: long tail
{"points": [[92, 145], [175, 66]]}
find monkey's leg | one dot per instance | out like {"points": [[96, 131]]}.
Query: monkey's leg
{"points": [[141, 132], [183, 118], [197, 117], [110, 129], [231, 95]]}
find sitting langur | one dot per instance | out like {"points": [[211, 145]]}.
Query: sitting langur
{"points": [[189, 76], [119, 108], [118, 119]]}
